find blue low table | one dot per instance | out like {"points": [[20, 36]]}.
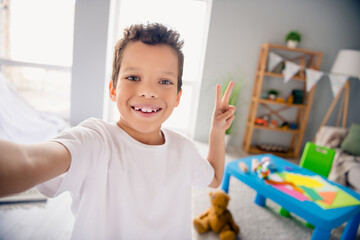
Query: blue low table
{"points": [[323, 220]]}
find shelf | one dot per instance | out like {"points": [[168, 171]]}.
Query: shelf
{"points": [[299, 50], [279, 75], [266, 101], [258, 106], [277, 129], [289, 154]]}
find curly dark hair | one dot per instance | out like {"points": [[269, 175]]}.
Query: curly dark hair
{"points": [[151, 34]]}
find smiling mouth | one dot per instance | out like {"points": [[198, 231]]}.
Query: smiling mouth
{"points": [[146, 109]]}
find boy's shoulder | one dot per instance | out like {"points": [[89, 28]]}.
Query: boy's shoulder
{"points": [[95, 122], [94, 125], [177, 137]]}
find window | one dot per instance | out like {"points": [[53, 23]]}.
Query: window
{"points": [[36, 39], [191, 19]]}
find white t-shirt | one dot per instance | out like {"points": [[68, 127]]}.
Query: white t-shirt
{"points": [[123, 189]]}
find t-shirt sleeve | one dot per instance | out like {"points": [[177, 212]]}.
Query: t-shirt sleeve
{"points": [[202, 171], [85, 145]]}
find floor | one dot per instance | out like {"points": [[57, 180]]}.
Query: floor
{"points": [[50, 220], [53, 219]]}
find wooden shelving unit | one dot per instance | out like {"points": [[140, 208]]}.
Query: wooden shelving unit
{"points": [[255, 150], [304, 58], [276, 129], [280, 103], [279, 75]]}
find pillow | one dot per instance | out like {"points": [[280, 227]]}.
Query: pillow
{"points": [[330, 137], [351, 143]]}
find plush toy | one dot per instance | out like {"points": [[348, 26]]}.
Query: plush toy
{"points": [[217, 218]]}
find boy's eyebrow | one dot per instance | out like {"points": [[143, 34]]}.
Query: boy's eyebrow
{"points": [[130, 69], [170, 73]]}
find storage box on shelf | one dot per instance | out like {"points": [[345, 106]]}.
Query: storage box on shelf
{"points": [[285, 111]]}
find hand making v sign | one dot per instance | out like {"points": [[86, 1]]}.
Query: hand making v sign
{"points": [[222, 118], [223, 112]]}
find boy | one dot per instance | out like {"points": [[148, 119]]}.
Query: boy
{"points": [[130, 179]]}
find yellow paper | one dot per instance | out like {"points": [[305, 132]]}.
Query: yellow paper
{"points": [[302, 180]]}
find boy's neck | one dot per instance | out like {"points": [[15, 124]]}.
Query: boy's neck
{"points": [[151, 138]]}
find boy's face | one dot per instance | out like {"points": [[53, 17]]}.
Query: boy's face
{"points": [[146, 91]]}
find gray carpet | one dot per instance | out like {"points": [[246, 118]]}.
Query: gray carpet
{"points": [[254, 221]]}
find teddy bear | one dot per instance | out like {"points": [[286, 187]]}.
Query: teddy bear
{"points": [[217, 218]]}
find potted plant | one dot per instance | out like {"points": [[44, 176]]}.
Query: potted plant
{"points": [[273, 94], [292, 39]]}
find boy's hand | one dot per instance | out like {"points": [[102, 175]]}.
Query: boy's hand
{"points": [[222, 118], [223, 112]]}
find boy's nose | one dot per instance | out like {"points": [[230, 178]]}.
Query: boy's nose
{"points": [[147, 91], [147, 94]]}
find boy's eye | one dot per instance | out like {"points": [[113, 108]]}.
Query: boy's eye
{"points": [[166, 82], [132, 78]]}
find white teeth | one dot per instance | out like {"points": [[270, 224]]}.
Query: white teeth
{"points": [[146, 110]]}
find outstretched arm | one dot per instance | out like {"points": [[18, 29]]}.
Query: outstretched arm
{"points": [[222, 118], [24, 166]]}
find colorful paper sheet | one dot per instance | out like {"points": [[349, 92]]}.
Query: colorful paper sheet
{"points": [[311, 193], [328, 188], [276, 177], [342, 199], [291, 192], [328, 197], [316, 189], [303, 180]]}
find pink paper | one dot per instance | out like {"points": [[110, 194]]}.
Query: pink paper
{"points": [[291, 192]]}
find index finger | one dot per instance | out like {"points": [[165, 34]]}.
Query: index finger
{"points": [[227, 93], [218, 95]]}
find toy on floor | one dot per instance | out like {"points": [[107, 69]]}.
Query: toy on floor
{"points": [[217, 218]]}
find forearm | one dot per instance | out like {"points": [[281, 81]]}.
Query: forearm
{"points": [[24, 166], [216, 154], [15, 168]]}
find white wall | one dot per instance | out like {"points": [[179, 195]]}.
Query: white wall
{"points": [[89, 59], [239, 27]]}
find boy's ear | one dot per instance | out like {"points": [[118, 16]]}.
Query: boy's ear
{"points": [[112, 92], [178, 98]]}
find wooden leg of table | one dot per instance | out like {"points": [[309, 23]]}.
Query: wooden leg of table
{"points": [[320, 234], [351, 228], [225, 182], [260, 200]]}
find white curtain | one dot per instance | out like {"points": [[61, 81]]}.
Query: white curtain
{"points": [[20, 122]]}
